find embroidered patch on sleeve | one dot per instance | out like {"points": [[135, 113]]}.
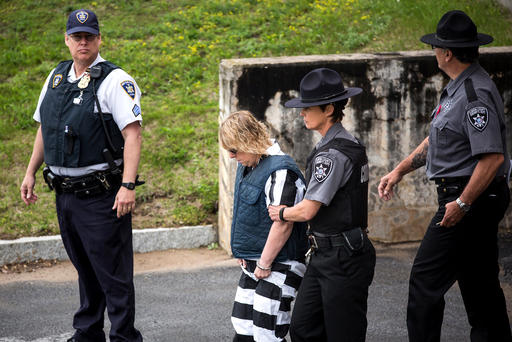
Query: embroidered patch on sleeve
{"points": [[56, 80], [478, 117], [323, 168], [136, 110], [129, 87]]}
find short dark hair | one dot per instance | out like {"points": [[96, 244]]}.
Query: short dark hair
{"points": [[337, 114], [465, 54]]}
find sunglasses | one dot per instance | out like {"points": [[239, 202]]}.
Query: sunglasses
{"points": [[78, 37]]}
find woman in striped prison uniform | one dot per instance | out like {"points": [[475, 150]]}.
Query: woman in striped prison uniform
{"points": [[271, 254]]}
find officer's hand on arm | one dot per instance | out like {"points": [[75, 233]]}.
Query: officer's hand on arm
{"points": [[273, 211], [27, 186], [303, 211]]}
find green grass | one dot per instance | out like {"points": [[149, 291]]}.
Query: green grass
{"points": [[173, 49]]}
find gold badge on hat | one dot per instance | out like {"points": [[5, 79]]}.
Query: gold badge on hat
{"points": [[84, 81], [82, 16]]}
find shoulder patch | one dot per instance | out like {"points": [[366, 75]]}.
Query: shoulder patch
{"points": [[129, 87], [56, 80], [478, 117], [136, 110], [323, 168]]}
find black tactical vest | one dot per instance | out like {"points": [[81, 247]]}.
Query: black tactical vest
{"points": [[73, 134], [349, 207]]}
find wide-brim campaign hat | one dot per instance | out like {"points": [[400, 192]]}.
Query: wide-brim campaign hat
{"points": [[456, 29], [82, 20], [321, 86]]}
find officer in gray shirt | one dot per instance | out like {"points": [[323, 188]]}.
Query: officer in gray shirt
{"points": [[466, 155], [332, 300]]}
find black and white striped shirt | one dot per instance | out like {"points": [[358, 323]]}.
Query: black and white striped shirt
{"points": [[283, 186]]}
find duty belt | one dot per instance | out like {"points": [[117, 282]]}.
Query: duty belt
{"points": [[319, 240], [352, 239], [85, 186]]}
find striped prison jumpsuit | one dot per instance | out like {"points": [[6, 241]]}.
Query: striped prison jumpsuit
{"points": [[262, 308]]}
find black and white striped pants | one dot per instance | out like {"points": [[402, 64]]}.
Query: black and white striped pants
{"points": [[262, 308]]}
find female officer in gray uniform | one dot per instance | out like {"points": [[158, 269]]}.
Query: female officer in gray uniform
{"points": [[466, 156], [332, 300]]}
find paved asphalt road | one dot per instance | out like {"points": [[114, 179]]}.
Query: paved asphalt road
{"points": [[196, 305]]}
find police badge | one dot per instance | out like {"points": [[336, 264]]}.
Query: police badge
{"points": [[84, 81], [323, 168], [478, 117], [82, 16]]}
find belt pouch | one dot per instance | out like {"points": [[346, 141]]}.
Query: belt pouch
{"points": [[354, 239]]}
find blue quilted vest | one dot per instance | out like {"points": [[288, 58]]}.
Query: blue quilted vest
{"points": [[73, 134], [251, 223]]}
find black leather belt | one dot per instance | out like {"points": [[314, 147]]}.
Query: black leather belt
{"points": [[452, 180], [326, 241], [454, 185], [329, 241]]}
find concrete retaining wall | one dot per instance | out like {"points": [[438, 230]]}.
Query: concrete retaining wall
{"points": [[391, 117], [144, 240]]}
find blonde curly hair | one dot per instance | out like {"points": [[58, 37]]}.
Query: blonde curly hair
{"points": [[242, 132]]}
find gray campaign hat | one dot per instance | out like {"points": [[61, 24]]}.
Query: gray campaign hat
{"points": [[82, 20]]}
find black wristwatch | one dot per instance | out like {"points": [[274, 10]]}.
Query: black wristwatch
{"points": [[129, 186]]}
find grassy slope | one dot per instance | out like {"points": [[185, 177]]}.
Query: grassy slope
{"points": [[173, 49]]}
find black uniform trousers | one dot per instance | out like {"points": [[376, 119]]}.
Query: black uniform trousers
{"points": [[331, 303], [466, 253], [100, 247]]}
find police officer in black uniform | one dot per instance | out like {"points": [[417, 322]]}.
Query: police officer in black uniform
{"points": [[466, 156], [90, 138], [332, 301]]}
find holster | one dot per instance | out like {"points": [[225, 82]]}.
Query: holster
{"points": [[354, 239]]}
